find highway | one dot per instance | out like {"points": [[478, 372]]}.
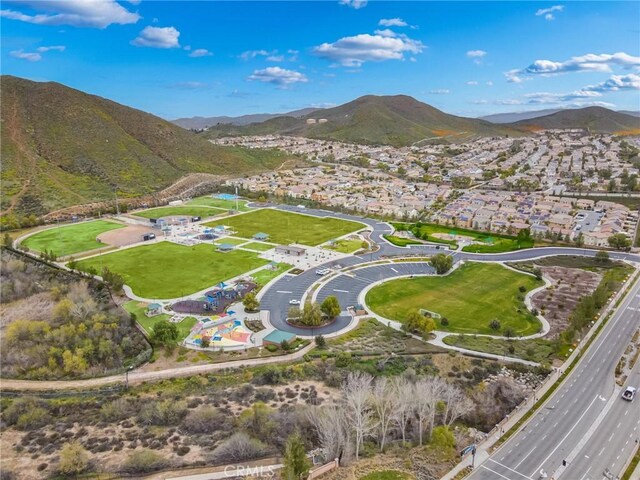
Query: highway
{"points": [[584, 422]]}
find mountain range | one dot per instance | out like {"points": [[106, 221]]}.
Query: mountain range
{"points": [[511, 117], [63, 147], [196, 123], [401, 120]]}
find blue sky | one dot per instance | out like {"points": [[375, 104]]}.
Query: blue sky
{"points": [[178, 59]]}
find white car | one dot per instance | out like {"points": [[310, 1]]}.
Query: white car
{"points": [[629, 393], [322, 271], [294, 302]]}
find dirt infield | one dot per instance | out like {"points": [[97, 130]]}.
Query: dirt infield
{"points": [[127, 235]]}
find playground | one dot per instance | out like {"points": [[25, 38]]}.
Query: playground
{"points": [[167, 270], [286, 227], [470, 297], [69, 239], [216, 300], [223, 331]]}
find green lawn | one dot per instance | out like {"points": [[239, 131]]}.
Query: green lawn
{"points": [[184, 327], [470, 298], [400, 241], [261, 247], [208, 201], [491, 243], [285, 227], [187, 211], [66, 240], [265, 275], [230, 241], [169, 270], [346, 246]]}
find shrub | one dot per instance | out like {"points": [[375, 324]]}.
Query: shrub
{"points": [[494, 324], [321, 342], [444, 321], [271, 347], [522, 288], [74, 459], [142, 461], [204, 420], [35, 418], [116, 411], [239, 447], [344, 359], [167, 412]]}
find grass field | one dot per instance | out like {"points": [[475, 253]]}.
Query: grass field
{"points": [[346, 246], [168, 270], [535, 350], [208, 201], [71, 239], [470, 298], [265, 275], [400, 241], [187, 211], [284, 227], [260, 247], [491, 243], [184, 327], [230, 241]]}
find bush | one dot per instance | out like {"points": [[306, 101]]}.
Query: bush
{"points": [[35, 418], [204, 420], [238, 448], [522, 288], [142, 461], [321, 342], [167, 412], [74, 459], [444, 321], [116, 411], [344, 359], [442, 438], [494, 324], [271, 347]]}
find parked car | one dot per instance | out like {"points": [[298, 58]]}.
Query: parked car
{"points": [[629, 393], [322, 271]]}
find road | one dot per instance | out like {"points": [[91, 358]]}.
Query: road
{"points": [[276, 298], [584, 421]]}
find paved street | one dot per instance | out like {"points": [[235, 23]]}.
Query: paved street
{"points": [[574, 413]]}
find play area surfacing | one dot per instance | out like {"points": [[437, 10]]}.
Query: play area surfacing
{"points": [[221, 332], [70, 239], [168, 270], [286, 227]]}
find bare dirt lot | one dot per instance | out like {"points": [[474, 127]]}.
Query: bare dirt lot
{"points": [[558, 302], [125, 236]]}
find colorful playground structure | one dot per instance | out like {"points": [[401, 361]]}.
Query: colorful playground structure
{"points": [[216, 300], [223, 331]]}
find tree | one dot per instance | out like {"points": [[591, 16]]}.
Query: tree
{"points": [[294, 313], [250, 302], [619, 241], [357, 390], [537, 272], [331, 307], [296, 463], [74, 459], [457, 404], [332, 429], [402, 391], [320, 341], [165, 333], [602, 256], [311, 314], [442, 263], [6, 240], [383, 402], [419, 324]]}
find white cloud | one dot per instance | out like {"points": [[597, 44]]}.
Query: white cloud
{"points": [[590, 62], [356, 50], [190, 85], [78, 13], [251, 54], [490, 83], [440, 91], [392, 22], [157, 37], [275, 58], [472, 82], [200, 52], [58, 48], [476, 53], [548, 12], [37, 55], [29, 56], [278, 76], [386, 32], [356, 4]]}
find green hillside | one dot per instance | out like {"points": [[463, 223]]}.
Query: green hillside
{"points": [[63, 147], [594, 119], [397, 120]]}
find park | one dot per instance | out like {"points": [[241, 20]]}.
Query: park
{"points": [[286, 227], [470, 298]]}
